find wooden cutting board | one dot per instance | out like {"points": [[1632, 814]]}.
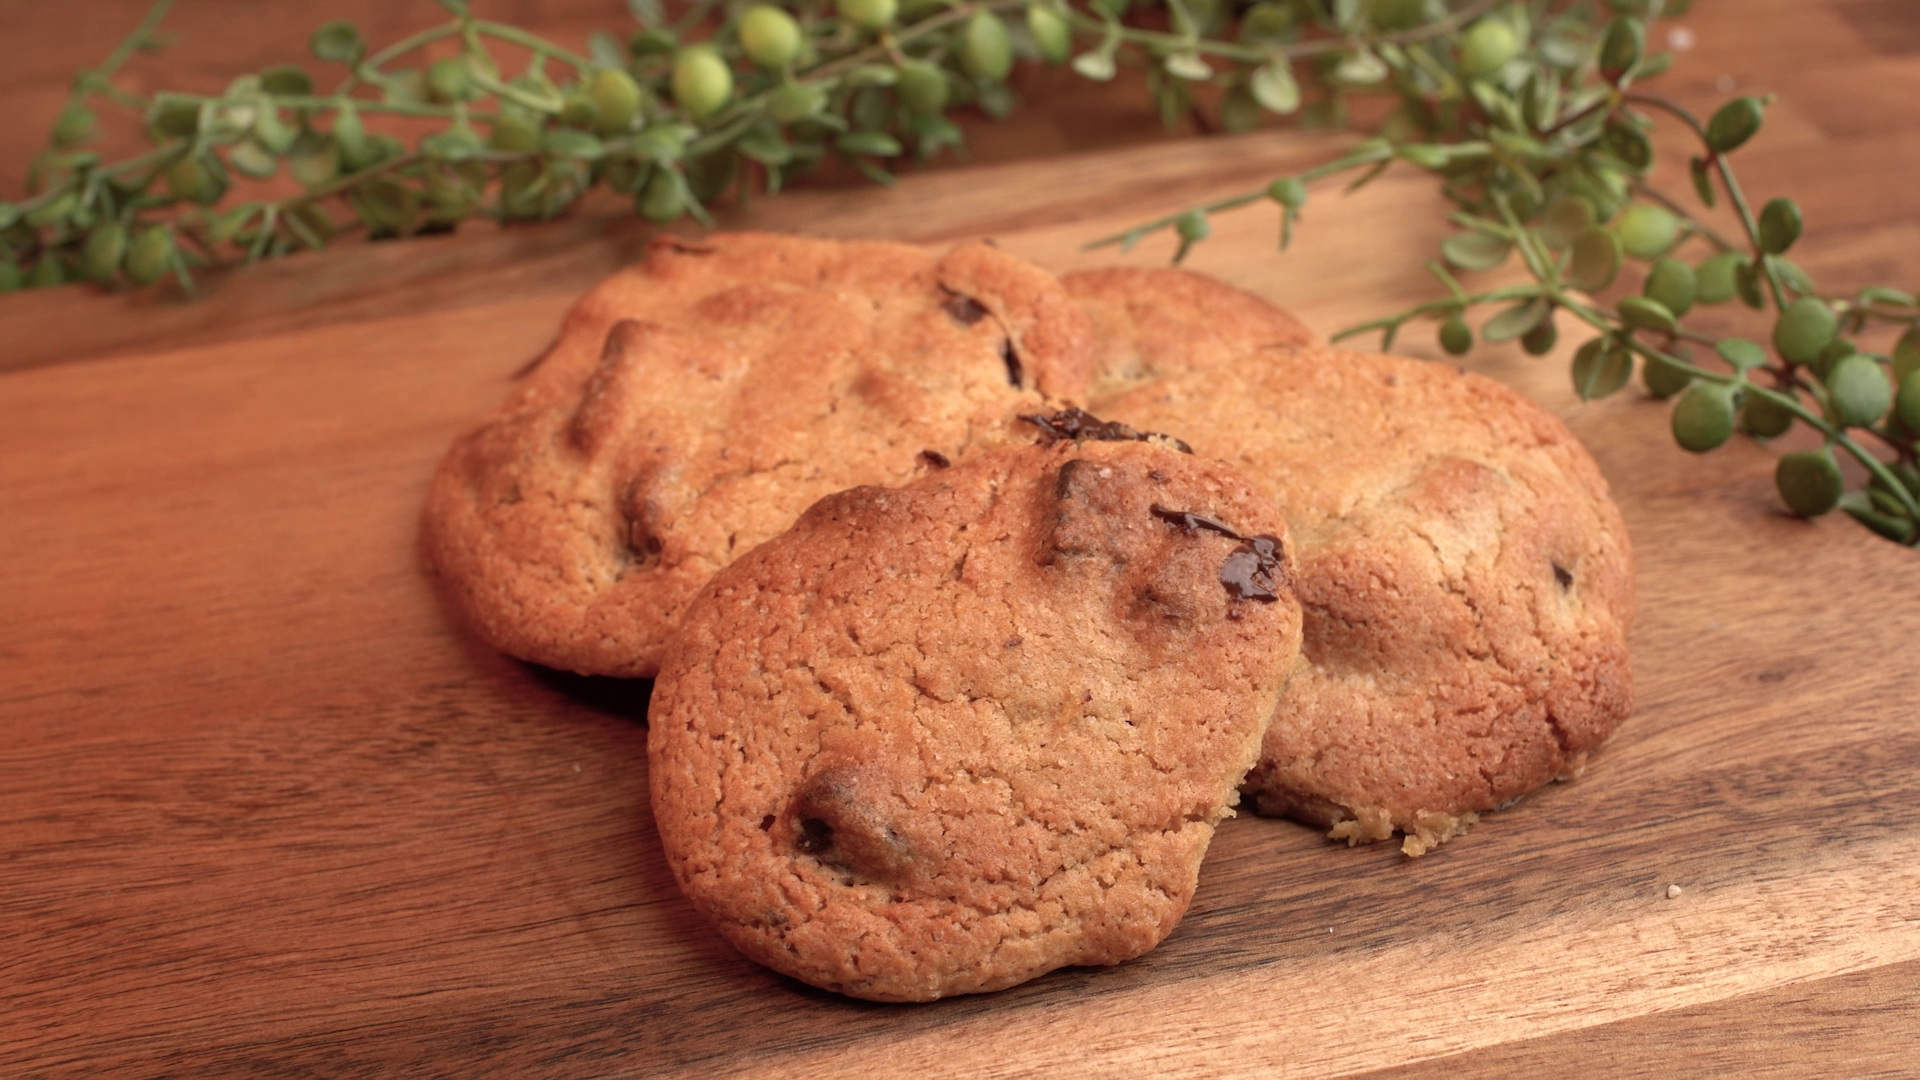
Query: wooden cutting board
{"points": [[265, 809]]}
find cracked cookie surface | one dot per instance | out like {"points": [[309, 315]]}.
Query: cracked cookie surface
{"points": [[694, 405], [1465, 578], [943, 738]]}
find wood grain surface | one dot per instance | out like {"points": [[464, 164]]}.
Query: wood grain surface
{"points": [[265, 810]]}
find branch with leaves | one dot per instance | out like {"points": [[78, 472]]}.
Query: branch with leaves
{"points": [[1530, 114]]}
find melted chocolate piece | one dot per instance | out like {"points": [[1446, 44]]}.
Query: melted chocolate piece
{"points": [[964, 309], [1076, 423], [935, 458], [1563, 575], [1250, 572]]}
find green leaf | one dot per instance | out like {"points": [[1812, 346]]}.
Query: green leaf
{"points": [[1702, 181], [1780, 225], [577, 145], [1275, 88], [1601, 367], [1097, 65], [337, 42], [1735, 122], [648, 13], [286, 81], [1475, 250], [1645, 313], [1744, 355], [250, 159], [1564, 219], [1188, 66], [876, 143], [1595, 260], [1516, 321], [453, 144]]}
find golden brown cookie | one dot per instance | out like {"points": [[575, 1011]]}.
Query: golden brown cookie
{"points": [[943, 738], [1154, 322], [1466, 580], [695, 404]]}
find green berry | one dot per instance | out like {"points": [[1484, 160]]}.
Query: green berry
{"points": [[1595, 260], [616, 101], [1050, 32], [1804, 329], [1540, 340], [448, 80], [1647, 231], [1780, 224], [1289, 192], [1672, 283], [1764, 418], [1906, 354], [188, 179], [514, 133], [578, 110], [1858, 390], [868, 14], [922, 87], [1455, 336], [986, 51], [1714, 280], [1809, 482], [769, 37], [1907, 404], [664, 198], [1703, 417], [106, 246], [1663, 378], [1486, 47], [1734, 124], [701, 81]]}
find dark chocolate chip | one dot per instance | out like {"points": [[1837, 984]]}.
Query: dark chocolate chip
{"points": [[1076, 423], [815, 836], [1012, 358], [935, 458], [1563, 575], [964, 309], [1251, 571], [766, 823]]}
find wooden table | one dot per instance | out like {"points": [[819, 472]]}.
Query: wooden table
{"points": [[265, 810]]}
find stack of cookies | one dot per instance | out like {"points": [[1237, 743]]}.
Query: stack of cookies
{"points": [[976, 597]]}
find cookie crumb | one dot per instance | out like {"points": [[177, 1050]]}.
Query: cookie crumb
{"points": [[1673, 891]]}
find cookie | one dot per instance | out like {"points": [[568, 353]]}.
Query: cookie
{"points": [[694, 405], [1466, 579], [1153, 323], [943, 738]]}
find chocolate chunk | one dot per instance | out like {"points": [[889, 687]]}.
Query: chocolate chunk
{"points": [[964, 309], [1563, 575], [935, 458], [1250, 572], [1012, 358], [1076, 423]]}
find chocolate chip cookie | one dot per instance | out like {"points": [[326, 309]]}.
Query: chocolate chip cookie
{"points": [[943, 738], [694, 405], [1466, 580]]}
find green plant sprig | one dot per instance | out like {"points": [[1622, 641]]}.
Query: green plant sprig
{"points": [[1547, 156], [1530, 114]]}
